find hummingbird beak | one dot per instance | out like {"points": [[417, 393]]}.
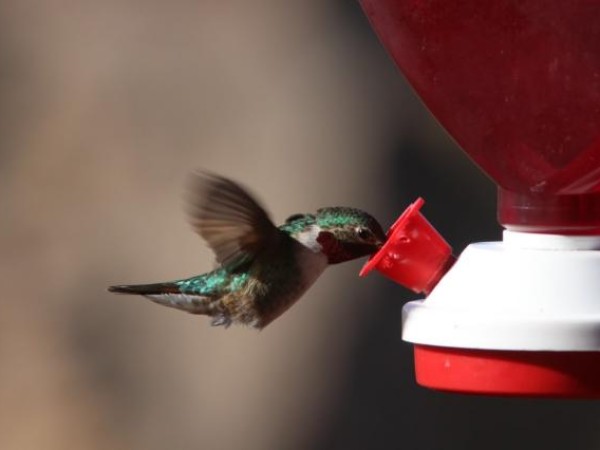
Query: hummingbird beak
{"points": [[376, 246], [380, 241]]}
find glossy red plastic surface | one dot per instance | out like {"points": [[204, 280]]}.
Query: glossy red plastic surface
{"points": [[509, 373], [414, 255], [517, 84]]}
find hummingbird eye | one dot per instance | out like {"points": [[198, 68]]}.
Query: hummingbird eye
{"points": [[363, 233]]}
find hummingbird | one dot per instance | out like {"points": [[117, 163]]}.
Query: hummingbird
{"points": [[262, 269]]}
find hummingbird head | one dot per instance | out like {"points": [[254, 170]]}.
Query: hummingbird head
{"points": [[347, 233]]}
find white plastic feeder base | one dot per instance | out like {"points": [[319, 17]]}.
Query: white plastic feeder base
{"points": [[527, 295]]}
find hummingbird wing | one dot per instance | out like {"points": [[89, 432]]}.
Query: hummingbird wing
{"points": [[231, 221]]}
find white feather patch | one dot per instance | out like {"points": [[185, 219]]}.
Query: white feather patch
{"points": [[309, 237], [190, 303]]}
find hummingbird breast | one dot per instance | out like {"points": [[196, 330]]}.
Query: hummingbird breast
{"points": [[282, 281]]}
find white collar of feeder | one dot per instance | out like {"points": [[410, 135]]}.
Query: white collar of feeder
{"points": [[528, 292]]}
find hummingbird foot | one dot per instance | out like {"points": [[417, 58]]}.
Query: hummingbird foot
{"points": [[220, 320]]}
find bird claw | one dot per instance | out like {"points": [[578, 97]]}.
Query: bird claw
{"points": [[220, 320]]}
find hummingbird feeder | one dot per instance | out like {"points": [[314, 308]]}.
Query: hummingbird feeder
{"points": [[517, 85]]}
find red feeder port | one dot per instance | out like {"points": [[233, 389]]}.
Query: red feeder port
{"points": [[415, 255]]}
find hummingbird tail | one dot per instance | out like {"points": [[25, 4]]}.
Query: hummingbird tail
{"points": [[169, 294]]}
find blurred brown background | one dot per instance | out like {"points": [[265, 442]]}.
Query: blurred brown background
{"points": [[104, 109]]}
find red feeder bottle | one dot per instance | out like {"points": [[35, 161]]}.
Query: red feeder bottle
{"points": [[517, 84]]}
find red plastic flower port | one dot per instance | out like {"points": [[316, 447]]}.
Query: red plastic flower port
{"points": [[414, 255]]}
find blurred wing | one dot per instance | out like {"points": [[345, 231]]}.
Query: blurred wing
{"points": [[233, 224]]}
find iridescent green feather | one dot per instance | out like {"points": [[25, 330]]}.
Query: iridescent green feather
{"points": [[297, 224], [215, 283], [340, 217]]}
